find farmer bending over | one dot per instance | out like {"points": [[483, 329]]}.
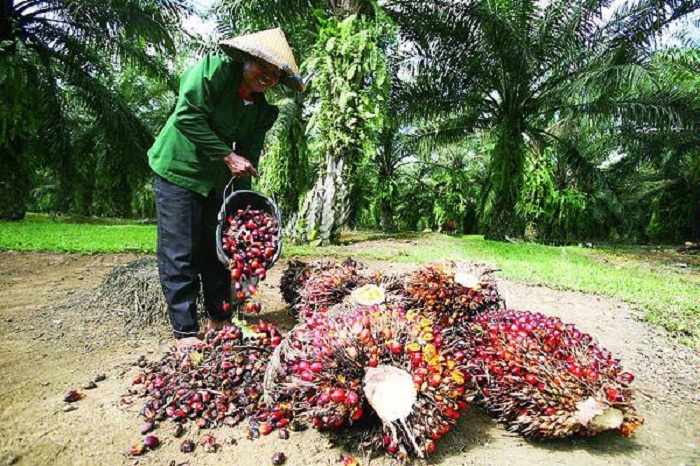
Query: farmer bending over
{"points": [[219, 122]]}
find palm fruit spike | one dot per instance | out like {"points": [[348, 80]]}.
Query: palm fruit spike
{"points": [[453, 293], [544, 378], [322, 285], [360, 359]]}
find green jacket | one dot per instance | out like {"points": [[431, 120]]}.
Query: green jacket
{"points": [[208, 118]]}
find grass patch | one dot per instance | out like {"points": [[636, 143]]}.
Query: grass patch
{"points": [[648, 279], [41, 233]]}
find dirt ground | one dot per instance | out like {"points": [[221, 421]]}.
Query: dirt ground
{"points": [[45, 350]]}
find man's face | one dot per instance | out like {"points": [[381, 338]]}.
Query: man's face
{"points": [[260, 76]]}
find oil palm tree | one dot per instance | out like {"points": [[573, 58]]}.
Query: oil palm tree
{"points": [[521, 68], [58, 58]]}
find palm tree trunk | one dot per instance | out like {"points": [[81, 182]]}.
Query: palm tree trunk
{"points": [[386, 216], [504, 185], [6, 9], [326, 208], [14, 181]]}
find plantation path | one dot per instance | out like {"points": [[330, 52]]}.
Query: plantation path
{"points": [[45, 351]]}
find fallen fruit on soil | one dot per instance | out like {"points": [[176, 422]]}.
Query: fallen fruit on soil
{"points": [[209, 444], [279, 458], [137, 449], [217, 384], [151, 442], [187, 446], [72, 396], [148, 426]]}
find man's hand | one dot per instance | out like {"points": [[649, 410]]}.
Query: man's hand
{"points": [[239, 166]]}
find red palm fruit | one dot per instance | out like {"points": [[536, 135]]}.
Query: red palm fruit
{"points": [[314, 287], [381, 373], [338, 395], [351, 398], [151, 442], [452, 294], [265, 428], [316, 366], [555, 396], [137, 449]]}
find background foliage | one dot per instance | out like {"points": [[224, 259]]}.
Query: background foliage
{"points": [[562, 121]]}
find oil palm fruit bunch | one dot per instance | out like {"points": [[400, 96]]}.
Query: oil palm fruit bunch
{"points": [[368, 358], [313, 288], [544, 378], [250, 240], [453, 293], [293, 278], [217, 384]]}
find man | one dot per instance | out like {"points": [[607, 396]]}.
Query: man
{"points": [[216, 131]]}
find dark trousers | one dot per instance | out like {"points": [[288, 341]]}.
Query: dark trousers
{"points": [[187, 256]]}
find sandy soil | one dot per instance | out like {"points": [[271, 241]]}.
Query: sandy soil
{"points": [[46, 350]]}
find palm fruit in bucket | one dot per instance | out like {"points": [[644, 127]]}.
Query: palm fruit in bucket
{"points": [[361, 361], [453, 293], [251, 243], [544, 378]]}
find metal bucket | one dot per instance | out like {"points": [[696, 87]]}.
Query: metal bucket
{"points": [[241, 200]]}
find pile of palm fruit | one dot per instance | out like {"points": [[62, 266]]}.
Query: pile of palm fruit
{"points": [[401, 355], [219, 383], [445, 329]]}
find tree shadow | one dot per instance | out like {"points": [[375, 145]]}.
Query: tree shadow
{"points": [[477, 429], [474, 429], [607, 443]]}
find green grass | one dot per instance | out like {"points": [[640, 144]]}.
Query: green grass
{"points": [[667, 295], [41, 233]]}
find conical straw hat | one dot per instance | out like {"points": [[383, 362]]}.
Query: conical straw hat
{"points": [[271, 46]]}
